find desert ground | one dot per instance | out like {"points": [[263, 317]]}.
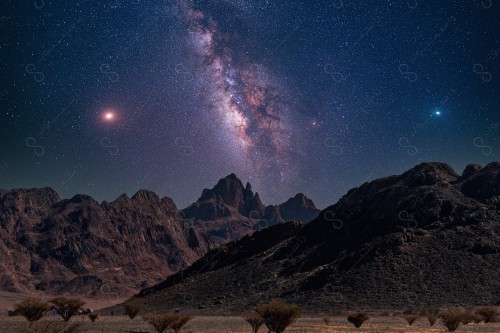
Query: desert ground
{"points": [[122, 324]]}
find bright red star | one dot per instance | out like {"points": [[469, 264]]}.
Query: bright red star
{"points": [[109, 115]]}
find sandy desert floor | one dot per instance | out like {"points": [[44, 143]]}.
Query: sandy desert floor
{"points": [[122, 324]]}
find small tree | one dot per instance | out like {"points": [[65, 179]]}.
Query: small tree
{"points": [[160, 321], [451, 318], [278, 315], [67, 307], [254, 320], [132, 307], [93, 316], [489, 314], [357, 319], [179, 322], [32, 309]]}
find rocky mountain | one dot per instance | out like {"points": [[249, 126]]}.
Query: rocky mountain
{"points": [[79, 246], [230, 199], [427, 237], [229, 210]]}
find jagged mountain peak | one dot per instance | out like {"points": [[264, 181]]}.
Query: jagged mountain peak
{"points": [[146, 195], [229, 199]]}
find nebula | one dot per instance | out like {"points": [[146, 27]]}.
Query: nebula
{"points": [[251, 106]]}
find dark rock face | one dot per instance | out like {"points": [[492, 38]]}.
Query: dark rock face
{"points": [[425, 238], [81, 246], [484, 184], [300, 208], [226, 199], [229, 199]]}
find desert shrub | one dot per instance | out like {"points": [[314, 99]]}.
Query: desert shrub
{"points": [[410, 317], [67, 307], [160, 321], [469, 316], [54, 327], [451, 318], [32, 309], [358, 318], [254, 320], [179, 322], [489, 314], [278, 315], [431, 317], [132, 307], [93, 316], [326, 320]]}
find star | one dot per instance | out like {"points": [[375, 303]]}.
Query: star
{"points": [[109, 115], [436, 112]]}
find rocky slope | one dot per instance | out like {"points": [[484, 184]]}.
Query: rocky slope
{"points": [[427, 237], [79, 246]]}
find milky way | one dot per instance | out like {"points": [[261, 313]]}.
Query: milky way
{"points": [[291, 96], [251, 108]]}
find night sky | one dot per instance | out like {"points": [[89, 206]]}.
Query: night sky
{"points": [[107, 97]]}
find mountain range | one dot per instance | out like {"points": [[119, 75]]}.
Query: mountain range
{"points": [[79, 246], [427, 237]]}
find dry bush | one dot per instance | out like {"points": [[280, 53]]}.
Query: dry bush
{"points": [[179, 322], [278, 315], [489, 314], [93, 316], [432, 317], [358, 318], [469, 317], [132, 307], [410, 317], [451, 318], [32, 309], [327, 320], [254, 320], [67, 307], [54, 327], [160, 321]]}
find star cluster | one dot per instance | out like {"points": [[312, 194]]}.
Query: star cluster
{"points": [[293, 96]]}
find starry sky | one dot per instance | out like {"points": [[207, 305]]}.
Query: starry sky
{"points": [[108, 97]]}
